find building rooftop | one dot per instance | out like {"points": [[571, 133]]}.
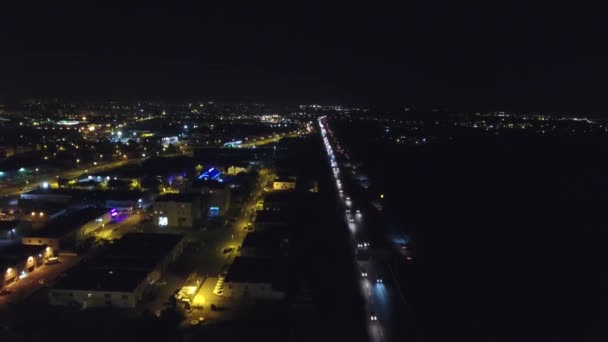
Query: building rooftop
{"points": [[280, 195], [8, 225], [143, 245], [65, 224], [112, 263], [13, 253], [269, 216], [47, 208], [124, 265], [117, 280], [265, 240], [285, 179], [254, 270], [86, 195], [177, 198]]}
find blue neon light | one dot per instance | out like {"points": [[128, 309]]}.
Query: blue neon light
{"points": [[211, 173], [214, 211]]}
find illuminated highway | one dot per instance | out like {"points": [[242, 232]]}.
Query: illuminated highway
{"points": [[379, 288]]}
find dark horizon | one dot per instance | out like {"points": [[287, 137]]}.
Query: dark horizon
{"points": [[529, 58]]}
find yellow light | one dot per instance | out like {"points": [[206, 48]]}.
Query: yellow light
{"points": [[381, 195], [9, 270], [33, 213], [41, 213]]}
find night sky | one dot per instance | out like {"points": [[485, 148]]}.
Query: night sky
{"points": [[531, 57]]}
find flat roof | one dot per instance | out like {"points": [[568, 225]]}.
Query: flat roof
{"points": [[280, 195], [188, 197], [254, 270], [14, 253], [88, 194], [123, 265], [268, 240], [135, 264], [285, 179], [270, 216], [65, 224], [8, 225], [46, 207], [117, 280], [143, 245]]}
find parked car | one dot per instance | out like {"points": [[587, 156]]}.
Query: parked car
{"points": [[52, 261]]}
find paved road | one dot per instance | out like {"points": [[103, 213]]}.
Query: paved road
{"points": [[383, 299], [209, 261], [27, 286], [72, 173], [112, 231]]}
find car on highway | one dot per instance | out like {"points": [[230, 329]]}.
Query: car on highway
{"points": [[363, 273], [373, 317], [351, 220]]}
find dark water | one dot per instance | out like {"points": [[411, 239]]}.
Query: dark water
{"points": [[509, 232]]}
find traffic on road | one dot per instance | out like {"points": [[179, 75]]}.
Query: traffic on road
{"points": [[381, 295]]}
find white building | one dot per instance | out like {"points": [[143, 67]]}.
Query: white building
{"points": [[250, 277], [100, 288], [177, 211], [120, 276]]}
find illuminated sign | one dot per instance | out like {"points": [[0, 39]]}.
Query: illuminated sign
{"points": [[163, 221], [214, 211]]}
